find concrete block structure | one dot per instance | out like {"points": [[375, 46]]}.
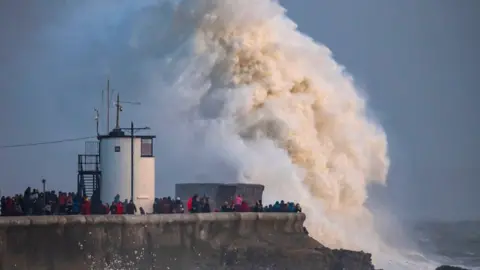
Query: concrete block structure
{"points": [[219, 193]]}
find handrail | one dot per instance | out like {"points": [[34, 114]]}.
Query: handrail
{"points": [[86, 162]]}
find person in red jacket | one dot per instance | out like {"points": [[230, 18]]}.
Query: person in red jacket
{"points": [[62, 201], [10, 207], [119, 208], [106, 209], [244, 207], [189, 204], [86, 207]]}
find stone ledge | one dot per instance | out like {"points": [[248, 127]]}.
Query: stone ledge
{"points": [[178, 241], [148, 219]]}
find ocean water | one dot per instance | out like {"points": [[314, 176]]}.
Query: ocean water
{"points": [[454, 243]]}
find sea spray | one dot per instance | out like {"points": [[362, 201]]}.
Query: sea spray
{"points": [[246, 97]]}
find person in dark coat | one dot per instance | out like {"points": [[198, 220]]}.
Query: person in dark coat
{"points": [[195, 204], [131, 208]]}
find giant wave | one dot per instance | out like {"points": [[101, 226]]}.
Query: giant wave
{"points": [[263, 103], [237, 93]]}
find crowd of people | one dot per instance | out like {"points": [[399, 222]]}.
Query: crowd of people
{"points": [[238, 204], [34, 202]]}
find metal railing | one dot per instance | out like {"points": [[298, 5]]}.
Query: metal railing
{"points": [[88, 163], [92, 148]]}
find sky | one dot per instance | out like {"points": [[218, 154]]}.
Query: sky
{"points": [[416, 61]]}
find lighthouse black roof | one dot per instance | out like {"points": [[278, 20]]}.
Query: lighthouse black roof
{"points": [[120, 133]]}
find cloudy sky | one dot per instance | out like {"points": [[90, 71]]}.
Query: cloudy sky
{"points": [[416, 60]]}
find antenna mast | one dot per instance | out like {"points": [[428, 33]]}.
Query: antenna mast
{"points": [[97, 116], [119, 109], [118, 105], [108, 105]]}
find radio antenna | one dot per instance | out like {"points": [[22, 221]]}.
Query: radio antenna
{"points": [[108, 105], [97, 116], [119, 107]]}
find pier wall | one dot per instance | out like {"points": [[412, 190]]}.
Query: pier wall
{"points": [[176, 241]]}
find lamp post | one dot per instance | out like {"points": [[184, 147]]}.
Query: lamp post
{"points": [[132, 131], [132, 160], [44, 195], [132, 173]]}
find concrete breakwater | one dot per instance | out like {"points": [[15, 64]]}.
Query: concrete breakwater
{"points": [[173, 241]]}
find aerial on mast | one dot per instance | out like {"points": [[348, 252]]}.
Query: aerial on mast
{"points": [[97, 116], [108, 105], [119, 109]]}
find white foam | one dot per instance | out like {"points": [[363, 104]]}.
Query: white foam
{"points": [[244, 96]]}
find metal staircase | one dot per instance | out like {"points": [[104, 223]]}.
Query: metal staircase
{"points": [[89, 172]]}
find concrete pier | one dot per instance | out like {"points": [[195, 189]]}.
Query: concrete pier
{"points": [[171, 241]]}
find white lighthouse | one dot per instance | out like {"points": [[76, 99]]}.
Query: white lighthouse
{"points": [[117, 174], [123, 163]]}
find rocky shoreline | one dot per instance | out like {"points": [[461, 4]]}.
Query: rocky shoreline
{"points": [[298, 252], [448, 267]]}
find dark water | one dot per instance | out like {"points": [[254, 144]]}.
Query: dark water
{"points": [[456, 243]]}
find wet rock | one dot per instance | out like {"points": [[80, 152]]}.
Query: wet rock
{"points": [[448, 267]]}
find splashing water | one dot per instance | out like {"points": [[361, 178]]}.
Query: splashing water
{"points": [[283, 94], [255, 100]]}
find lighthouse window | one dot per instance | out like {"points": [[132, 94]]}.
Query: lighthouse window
{"points": [[147, 148]]}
